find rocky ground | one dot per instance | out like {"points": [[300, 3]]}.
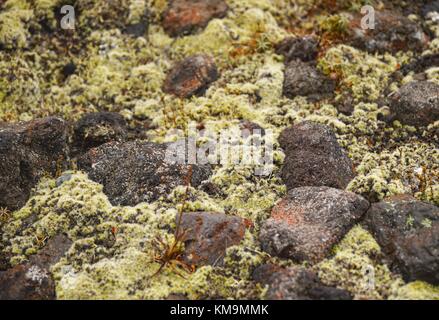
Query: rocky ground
{"points": [[90, 208]]}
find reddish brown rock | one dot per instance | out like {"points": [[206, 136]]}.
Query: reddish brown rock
{"points": [[184, 17], [208, 235], [192, 76], [33, 280], [309, 221]]}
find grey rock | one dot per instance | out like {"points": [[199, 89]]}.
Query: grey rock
{"points": [[416, 103], [296, 283], [406, 229], [136, 171], [94, 129], [313, 157], [302, 79], [393, 32], [303, 48], [417, 255], [29, 151]]}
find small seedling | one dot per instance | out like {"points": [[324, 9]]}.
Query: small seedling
{"points": [[170, 254], [5, 215]]}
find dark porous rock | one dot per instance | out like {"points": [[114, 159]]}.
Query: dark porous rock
{"points": [[29, 151], [296, 283], [140, 28], [309, 221], [33, 280], [393, 32], [313, 157], [302, 48], [138, 171], [404, 228], [416, 103], [398, 216], [184, 17], [420, 64], [192, 76], [94, 129], [302, 79], [68, 69], [417, 255], [207, 235]]}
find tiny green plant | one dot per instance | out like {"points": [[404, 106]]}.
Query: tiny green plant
{"points": [[5, 215], [170, 254]]}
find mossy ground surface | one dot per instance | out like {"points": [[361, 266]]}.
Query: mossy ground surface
{"points": [[112, 256]]}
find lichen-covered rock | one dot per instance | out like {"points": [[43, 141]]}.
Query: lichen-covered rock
{"points": [[33, 280], [302, 79], [183, 17], [29, 151], [406, 230], [192, 76], [296, 283], [313, 157], [416, 103], [136, 171], [309, 221], [207, 235], [94, 129], [393, 32], [303, 48]]}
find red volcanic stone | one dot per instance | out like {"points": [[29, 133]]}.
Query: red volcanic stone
{"points": [[186, 16], [207, 236], [192, 76], [309, 221]]}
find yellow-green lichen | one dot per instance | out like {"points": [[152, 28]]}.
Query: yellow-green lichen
{"points": [[355, 267]]}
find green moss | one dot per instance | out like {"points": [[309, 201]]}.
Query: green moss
{"points": [[364, 75], [13, 30], [355, 267], [241, 32], [102, 264], [417, 290]]}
